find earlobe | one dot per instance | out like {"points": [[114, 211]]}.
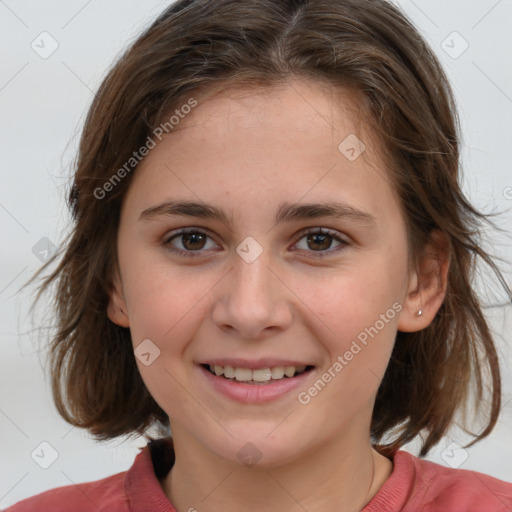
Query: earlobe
{"points": [[116, 309], [427, 286]]}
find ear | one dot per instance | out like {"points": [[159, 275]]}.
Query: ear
{"points": [[116, 309], [427, 284]]}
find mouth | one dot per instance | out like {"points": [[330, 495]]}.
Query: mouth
{"points": [[257, 376]]}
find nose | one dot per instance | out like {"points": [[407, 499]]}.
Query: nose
{"points": [[252, 301]]}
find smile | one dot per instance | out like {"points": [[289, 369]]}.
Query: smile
{"points": [[265, 381], [257, 375]]}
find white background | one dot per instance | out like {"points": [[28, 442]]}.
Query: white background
{"points": [[43, 103]]}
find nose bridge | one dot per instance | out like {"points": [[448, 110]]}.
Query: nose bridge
{"points": [[250, 300], [251, 280], [252, 275]]}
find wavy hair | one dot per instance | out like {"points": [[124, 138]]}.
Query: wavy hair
{"points": [[197, 47]]}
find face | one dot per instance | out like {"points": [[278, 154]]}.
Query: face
{"points": [[256, 281]]}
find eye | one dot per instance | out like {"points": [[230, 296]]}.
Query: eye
{"points": [[192, 241], [318, 240]]}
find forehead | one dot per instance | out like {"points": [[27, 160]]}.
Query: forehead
{"points": [[296, 105], [256, 143]]}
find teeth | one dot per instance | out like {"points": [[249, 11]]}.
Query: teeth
{"points": [[277, 372], [289, 371], [229, 372], [243, 374], [259, 375]]}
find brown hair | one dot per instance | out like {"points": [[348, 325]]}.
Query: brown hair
{"points": [[197, 47]]}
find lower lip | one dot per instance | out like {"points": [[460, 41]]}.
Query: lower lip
{"points": [[254, 393]]}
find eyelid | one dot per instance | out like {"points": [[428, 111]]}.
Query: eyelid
{"points": [[185, 230], [323, 231]]}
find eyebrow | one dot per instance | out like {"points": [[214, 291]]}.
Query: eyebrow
{"points": [[287, 212]]}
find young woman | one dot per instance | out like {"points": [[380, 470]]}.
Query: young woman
{"points": [[272, 255]]}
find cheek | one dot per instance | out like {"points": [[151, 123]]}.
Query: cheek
{"points": [[162, 299], [354, 314], [165, 305], [347, 300], [357, 332]]}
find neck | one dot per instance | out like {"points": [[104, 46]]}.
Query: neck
{"points": [[338, 476]]}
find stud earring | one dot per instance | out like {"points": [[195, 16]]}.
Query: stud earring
{"points": [[419, 313]]}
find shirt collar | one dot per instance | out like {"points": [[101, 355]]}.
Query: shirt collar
{"points": [[142, 486]]}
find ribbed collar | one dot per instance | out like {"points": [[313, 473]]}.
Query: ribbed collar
{"points": [[144, 491], [142, 487]]}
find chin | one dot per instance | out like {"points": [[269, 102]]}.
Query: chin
{"points": [[255, 448]]}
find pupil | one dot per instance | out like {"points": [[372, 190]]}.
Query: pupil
{"points": [[324, 238], [195, 238]]}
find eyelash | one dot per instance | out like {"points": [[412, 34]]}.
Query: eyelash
{"points": [[308, 231]]}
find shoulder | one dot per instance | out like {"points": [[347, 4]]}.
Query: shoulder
{"points": [[433, 487], [105, 494], [136, 489]]}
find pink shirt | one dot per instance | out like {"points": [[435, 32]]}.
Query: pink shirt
{"points": [[415, 485]]}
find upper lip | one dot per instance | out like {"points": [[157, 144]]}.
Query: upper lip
{"points": [[253, 364]]}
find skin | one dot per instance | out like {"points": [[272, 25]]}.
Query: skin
{"points": [[246, 152]]}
